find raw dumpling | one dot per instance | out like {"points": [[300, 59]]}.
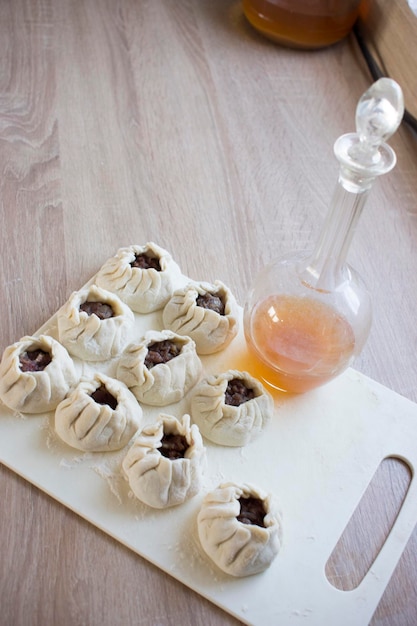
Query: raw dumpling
{"points": [[205, 312], [142, 276], [166, 462], [239, 529], [161, 368], [98, 416], [36, 373], [232, 408], [94, 324]]}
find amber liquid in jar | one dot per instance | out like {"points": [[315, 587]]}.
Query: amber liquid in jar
{"points": [[297, 343], [303, 23]]}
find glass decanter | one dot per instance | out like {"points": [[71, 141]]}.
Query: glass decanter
{"points": [[309, 315]]}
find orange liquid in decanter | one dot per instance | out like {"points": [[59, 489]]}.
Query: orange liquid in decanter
{"points": [[302, 24], [298, 343]]}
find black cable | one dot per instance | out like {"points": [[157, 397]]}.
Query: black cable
{"points": [[377, 73]]}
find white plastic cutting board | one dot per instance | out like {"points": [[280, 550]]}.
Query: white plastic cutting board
{"points": [[317, 456]]}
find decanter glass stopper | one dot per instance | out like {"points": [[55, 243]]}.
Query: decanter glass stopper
{"points": [[364, 155], [379, 114]]}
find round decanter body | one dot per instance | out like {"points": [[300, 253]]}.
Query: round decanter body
{"points": [[300, 336]]}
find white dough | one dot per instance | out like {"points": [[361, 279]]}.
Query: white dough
{"points": [[237, 548], [87, 336], [226, 424], [36, 392], [144, 290], [85, 424], [210, 330], [163, 383], [155, 479]]}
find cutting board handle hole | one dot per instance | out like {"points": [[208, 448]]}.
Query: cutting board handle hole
{"points": [[369, 526]]}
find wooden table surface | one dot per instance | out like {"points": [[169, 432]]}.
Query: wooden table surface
{"points": [[125, 121]]}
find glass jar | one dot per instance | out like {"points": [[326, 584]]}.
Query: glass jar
{"points": [[303, 23]]}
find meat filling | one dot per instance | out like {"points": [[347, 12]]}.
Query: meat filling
{"points": [[161, 352], [237, 392], [102, 396], [252, 511], [212, 302], [146, 262], [173, 446], [101, 309], [34, 360]]}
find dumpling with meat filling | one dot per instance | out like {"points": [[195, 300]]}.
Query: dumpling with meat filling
{"points": [[142, 276], [94, 324], [36, 373], [100, 415], [205, 312], [166, 463], [239, 529], [161, 368], [231, 408]]}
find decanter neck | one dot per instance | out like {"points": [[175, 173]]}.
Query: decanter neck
{"points": [[326, 268]]}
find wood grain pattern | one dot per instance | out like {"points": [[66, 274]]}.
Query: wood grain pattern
{"points": [[172, 120]]}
